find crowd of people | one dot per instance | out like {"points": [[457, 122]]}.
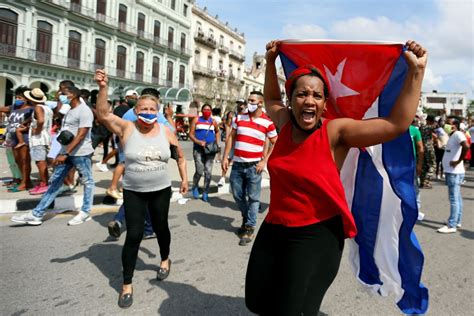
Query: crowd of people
{"points": [[299, 231]]}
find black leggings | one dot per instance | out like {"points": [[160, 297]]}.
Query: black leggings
{"points": [[291, 268], [136, 205]]}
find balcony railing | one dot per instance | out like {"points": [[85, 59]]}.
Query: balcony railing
{"points": [[204, 71], [200, 37], [236, 55], [32, 55], [223, 49]]}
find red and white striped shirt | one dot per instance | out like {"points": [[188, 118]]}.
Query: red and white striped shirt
{"points": [[251, 135]]}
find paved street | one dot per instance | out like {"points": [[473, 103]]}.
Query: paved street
{"points": [[54, 269]]}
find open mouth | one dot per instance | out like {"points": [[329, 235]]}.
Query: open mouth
{"points": [[308, 115]]}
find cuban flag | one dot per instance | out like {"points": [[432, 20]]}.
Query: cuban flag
{"points": [[365, 80]]}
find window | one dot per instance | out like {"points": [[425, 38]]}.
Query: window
{"points": [[101, 10], [139, 66], [155, 72], [181, 76], [169, 74], [8, 29], [231, 72], [211, 33], [74, 49], [199, 27], [99, 53], [183, 42], [185, 10], [76, 5], [209, 61], [44, 35], [121, 60], [170, 37], [122, 17], [221, 40], [141, 24], [173, 4], [231, 45], [157, 31], [221, 65], [197, 58]]}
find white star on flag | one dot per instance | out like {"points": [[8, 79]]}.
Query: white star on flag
{"points": [[338, 89]]}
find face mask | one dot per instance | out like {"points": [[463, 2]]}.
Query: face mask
{"points": [[18, 103], [206, 114], [147, 118], [252, 107], [64, 99], [131, 103]]}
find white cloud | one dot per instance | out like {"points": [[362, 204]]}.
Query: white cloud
{"points": [[431, 81], [303, 31]]}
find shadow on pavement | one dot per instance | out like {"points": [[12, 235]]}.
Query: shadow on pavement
{"points": [[215, 222], [185, 299], [107, 258], [435, 225], [104, 219]]}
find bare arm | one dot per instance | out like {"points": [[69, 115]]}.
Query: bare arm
{"points": [[4, 109], [217, 130], [275, 107], [229, 143], [39, 114], [420, 155], [464, 149], [362, 133], [267, 151], [112, 122], [181, 161]]}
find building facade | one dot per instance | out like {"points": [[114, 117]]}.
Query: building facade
{"points": [[453, 103], [218, 60], [142, 43]]}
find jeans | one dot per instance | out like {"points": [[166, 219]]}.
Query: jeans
{"points": [[83, 166], [120, 217], [245, 185], [203, 164], [455, 199]]}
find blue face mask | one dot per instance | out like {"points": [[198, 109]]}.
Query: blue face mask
{"points": [[18, 103], [147, 118], [64, 99]]}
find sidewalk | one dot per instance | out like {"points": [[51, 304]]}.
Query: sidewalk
{"points": [[22, 201]]}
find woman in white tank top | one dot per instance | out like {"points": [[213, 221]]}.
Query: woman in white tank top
{"points": [[146, 182]]}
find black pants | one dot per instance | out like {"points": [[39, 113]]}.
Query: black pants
{"points": [[136, 205], [104, 139], [291, 268]]}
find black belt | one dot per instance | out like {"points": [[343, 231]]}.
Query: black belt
{"points": [[246, 164]]}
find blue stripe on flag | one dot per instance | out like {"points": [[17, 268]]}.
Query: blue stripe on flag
{"points": [[366, 211], [288, 65], [399, 163]]}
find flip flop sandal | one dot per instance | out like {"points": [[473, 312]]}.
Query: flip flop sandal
{"points": [[15, 189]]}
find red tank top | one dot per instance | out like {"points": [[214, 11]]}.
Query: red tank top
{"points": [[305, 187]]}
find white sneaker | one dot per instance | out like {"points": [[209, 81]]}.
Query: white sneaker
{"points": [[221, 182], [447, 230], [421, 216], [28, 219], [102, 167], [80, 218], [457, 225]]}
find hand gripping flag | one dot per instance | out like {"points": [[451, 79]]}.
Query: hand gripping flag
{"points": [[365, 80]]}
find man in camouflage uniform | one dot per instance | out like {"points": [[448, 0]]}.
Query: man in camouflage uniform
{"points": [[427, 131]]}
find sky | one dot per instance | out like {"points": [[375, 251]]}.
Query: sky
{"points": [[443, 27]]}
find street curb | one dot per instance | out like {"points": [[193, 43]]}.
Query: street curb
{"points": [[74, 201]]}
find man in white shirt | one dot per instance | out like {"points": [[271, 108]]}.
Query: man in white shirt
{"points": [[453, 164]]}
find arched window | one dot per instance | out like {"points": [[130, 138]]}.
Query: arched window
{"points": [[44, 36], [99, 53], [74, 49], [122, 17], [170, 37], [8, 30], [169, 74], [141, 24], [209, 61], [121, 60], [181, 76], [139, 66], [155, 72], [157, 31], [183, 42]]}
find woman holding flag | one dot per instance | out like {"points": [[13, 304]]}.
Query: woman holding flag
{"points": [[297, 252]]}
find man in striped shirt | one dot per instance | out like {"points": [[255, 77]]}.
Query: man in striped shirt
{"points": [[249, 134]]}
